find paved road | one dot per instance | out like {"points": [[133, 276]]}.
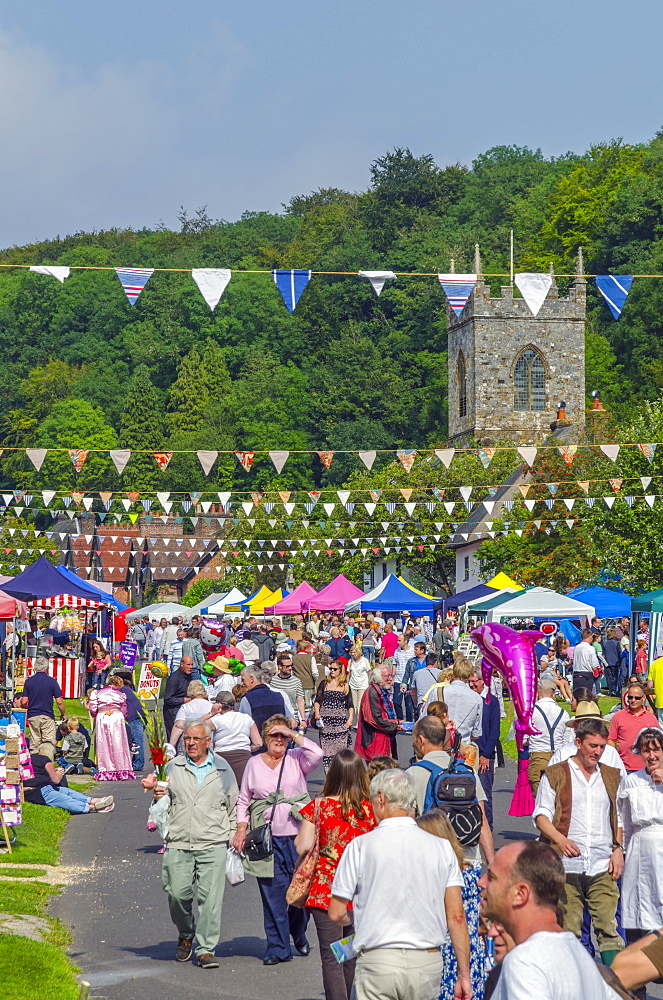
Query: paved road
{"points": [[124, 940]]}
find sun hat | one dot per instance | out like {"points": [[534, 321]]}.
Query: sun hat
{"points": [[585, 710]]}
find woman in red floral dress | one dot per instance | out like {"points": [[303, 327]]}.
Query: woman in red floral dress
{"points": [[344, 813]]}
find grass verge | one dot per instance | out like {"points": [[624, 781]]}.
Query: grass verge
{"points": [[509, 746], [35, 970]]}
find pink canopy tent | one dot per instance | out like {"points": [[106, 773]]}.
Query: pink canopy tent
{"points": [[11, 608], [334, 596], [295, 602]]}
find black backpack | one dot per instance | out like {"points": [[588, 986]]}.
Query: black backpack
{"points": [[454, 790]]}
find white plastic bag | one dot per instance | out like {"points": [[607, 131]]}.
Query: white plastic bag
{"points": [[234, 867]]}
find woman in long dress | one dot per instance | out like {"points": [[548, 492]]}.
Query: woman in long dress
{"points": [[333, 706], [109, 707], [642, 805]]}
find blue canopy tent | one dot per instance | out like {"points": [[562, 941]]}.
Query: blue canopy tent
{"points": [[393, 595], [608, 603], [42, 580], [473, 594]]}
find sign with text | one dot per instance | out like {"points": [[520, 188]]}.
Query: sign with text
{"points": [[128, 653], [148, 685]]}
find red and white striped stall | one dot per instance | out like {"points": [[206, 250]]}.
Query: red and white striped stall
{"points": [[64, 601], [67, 672]]}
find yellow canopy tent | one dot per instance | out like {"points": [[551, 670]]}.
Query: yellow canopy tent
{"points": [[258, 607], [259, 598], [503, 582]]}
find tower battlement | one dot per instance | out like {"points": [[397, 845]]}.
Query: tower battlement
{"points": [[509, 369]]}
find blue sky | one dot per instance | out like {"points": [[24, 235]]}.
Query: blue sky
{"points": [[115, 114]]}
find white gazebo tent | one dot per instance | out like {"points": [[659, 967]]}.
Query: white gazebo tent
{"points": [[232, 600], [541, 602], [164, 610]]}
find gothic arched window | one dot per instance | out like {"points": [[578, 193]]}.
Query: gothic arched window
{"points": [[529, 382], [461, 378]]}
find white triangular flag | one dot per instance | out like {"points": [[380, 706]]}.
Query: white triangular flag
{"points": [[449, 506], [466, 492], [445, 455], [368, 457], [48, 496], [377, 278], [489, 504], [410, 508], [163, 498], [611, 451], [207, 460], [530, 505], [212, 283], [569, 503], [36, 456], [343, 496], [370, 508], [533, 288], [55, 272], [279, 458], [645, 480], [120, 459], [609, 501], [528, 455], [289, 507], [329, 508], [650, 500]]}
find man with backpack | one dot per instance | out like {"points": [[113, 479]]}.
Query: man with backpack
{"points": [[443, 781], [551, 720]]}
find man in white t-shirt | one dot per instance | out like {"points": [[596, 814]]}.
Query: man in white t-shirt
{"points": [[521, 890], [396, 877], [585, 662]]}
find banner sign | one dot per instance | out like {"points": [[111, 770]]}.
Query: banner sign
{"points": [[128, 653]]}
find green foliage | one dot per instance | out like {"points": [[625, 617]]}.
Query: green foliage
{"points": [[142, 427]]}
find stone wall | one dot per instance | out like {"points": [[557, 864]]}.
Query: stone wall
{"points": [[492, 333]]}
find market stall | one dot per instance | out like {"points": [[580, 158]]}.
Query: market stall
{"points": [[534, 603], [648, 605], [228, 603], [294, 603], [70, 603], [392, 596], [334, 596]]}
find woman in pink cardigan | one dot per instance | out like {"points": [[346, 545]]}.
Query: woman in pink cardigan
{"points": [[256, 804]]}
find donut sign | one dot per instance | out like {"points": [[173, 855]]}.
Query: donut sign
{"points": [[548, 628]]}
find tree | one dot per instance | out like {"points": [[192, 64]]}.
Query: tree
{"points": [[74, 424], [141, 429]]}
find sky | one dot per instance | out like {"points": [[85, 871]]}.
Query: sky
{"points": [[116, 114]]}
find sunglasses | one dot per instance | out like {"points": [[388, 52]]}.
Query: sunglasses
{"points": [[635, 697]]}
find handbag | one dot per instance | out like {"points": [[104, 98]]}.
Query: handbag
{"points": [[259, 843], [300, 886]]}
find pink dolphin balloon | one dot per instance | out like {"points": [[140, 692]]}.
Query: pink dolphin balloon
{"points": [[513, 655]]}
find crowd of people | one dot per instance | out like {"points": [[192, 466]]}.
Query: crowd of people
{"points": [[396, 858]]}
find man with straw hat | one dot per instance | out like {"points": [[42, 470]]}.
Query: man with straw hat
{"points": [[586, 710]]}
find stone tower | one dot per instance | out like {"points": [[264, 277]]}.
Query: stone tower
{"points": [[509, 369]]}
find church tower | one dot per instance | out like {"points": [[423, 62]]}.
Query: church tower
{"points": [[508, 369]]}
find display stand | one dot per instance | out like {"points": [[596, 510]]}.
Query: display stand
{"points": [[15, 766]]}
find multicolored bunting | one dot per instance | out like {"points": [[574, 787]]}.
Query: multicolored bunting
{"points": [[133, 280], [533, 288], [291, 284], [326, 457], [78, 456], [614, 289], [245, 458], [54, 272], [406, 457], [457, 288], [162, 458], [377, 278], [212, 282], [567, 451], [207, 460], [486, 456], [648, 450]]}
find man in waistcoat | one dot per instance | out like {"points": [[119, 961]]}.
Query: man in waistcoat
{"points": [[577, 812]]}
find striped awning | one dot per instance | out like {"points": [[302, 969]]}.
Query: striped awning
{"points": [[65, 601]]}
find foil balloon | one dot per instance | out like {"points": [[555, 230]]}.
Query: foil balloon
{"points": [[513, 655], [212, 636]]}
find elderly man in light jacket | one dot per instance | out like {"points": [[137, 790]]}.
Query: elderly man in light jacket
{"points": [[200, 812]]}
